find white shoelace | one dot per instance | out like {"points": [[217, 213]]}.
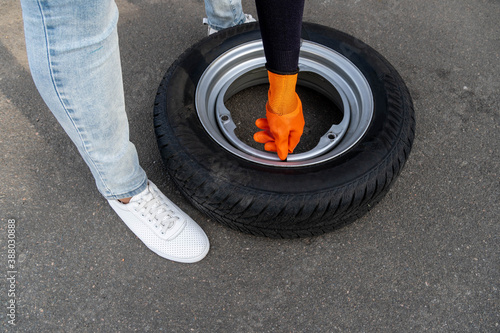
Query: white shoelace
{"points": [[156, 211]]}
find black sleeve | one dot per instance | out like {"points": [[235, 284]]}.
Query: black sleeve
{"points": [[280, 24]]}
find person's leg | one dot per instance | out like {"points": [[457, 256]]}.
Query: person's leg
{"points": [[224, 14], [75, 63]]}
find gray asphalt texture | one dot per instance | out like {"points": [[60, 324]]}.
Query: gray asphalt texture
{"points": [[426, 259]]}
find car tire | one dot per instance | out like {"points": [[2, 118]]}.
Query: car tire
{"points": [[288, 199]]}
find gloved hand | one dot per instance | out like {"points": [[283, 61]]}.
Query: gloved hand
{"points": [[284, 122]]}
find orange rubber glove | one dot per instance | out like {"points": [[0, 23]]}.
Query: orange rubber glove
{"points": [[284, 122]]}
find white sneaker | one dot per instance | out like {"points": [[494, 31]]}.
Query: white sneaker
{"points": [[162, 226], [248, 18]]}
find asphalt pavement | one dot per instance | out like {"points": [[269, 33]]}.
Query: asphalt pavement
{"points": [[425, 259]]}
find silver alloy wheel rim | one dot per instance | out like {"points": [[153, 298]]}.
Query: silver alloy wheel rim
{"points": [[321, 69]]}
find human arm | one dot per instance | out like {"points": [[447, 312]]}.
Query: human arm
{"points": [[280, 23]]}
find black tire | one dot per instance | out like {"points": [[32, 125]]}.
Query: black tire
{"points": [[269, 200]]}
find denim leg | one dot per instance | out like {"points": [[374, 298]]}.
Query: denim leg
{"points": [[74, 59], [223, 14]]}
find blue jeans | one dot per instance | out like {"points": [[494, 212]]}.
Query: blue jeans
{"points": [[75, 63], [223, 14]]}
